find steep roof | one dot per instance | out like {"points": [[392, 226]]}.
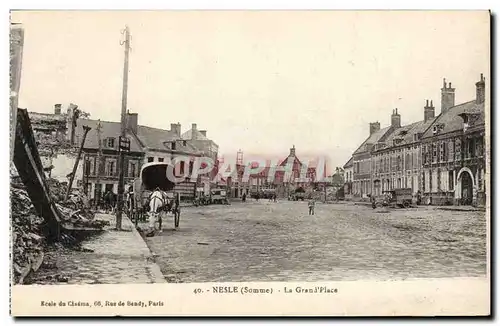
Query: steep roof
{"points": [[372, 139], [406, 133], [108, 129], [349, 163], [294, 159], [146, 137], [450, 119]]}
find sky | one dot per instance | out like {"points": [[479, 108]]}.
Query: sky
{"points": [[256, 81]]}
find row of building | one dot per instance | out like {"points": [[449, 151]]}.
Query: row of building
{"points": [[442, 158], [60, 134]]}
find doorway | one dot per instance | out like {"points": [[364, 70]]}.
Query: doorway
{"points": [[467, 186]]}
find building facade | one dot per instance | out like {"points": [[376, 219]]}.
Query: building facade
{"points": [[348, 175], [453, 151], [362, 161], [396, 161], [442, 158]]}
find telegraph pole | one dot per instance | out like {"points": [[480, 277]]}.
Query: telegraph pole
{"points": [[121, 158]]}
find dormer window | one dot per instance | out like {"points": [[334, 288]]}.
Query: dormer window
{"points": [[417, 136], [174, 145], [184, 143]]}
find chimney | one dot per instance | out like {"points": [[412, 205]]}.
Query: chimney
{"points": [[132, 122], [292, 151], [176, 128], [203, 132], [194, 133], [447, 96], [429, 112], [480, 87], [395, 119], [374, 127], [57, 109]]}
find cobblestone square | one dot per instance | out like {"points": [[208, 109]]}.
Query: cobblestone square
{"points": [[265, 241]]}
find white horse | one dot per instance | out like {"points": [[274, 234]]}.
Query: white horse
{"points": [[157, 203], [159, 206]]}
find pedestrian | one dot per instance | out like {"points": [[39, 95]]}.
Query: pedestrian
{"points": [[244, 197], [274, 197], [311, 204]]}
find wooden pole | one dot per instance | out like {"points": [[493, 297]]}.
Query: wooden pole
{"points": [[72, 178], [121, 159]]}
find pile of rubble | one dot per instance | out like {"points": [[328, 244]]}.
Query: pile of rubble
{"points": [[27, 235], [28, 228]]}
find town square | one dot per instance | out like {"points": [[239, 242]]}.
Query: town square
{"points": [[222, 151]]}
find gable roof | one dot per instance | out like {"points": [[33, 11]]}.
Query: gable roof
{"points": [[372, 139], [450, 119]]}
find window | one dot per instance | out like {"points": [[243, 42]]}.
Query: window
{"points": [[398, 163], [184, 143], [150, 159], [87, 167], [434, 153], [479, 147], [451, 153], [442, 153], [458, 149], [160, 159], [450, 181], [110, 142], [110, 168], [408, 162], [132, 169], [174, 145]]}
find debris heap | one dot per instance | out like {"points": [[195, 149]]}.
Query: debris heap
{"points": [[28, 228], [27, 235]]}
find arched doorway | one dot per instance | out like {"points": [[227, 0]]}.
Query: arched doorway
{"points": [[465, 190]]}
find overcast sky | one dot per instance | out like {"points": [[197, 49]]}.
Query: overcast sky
{"points": [[257, 81]]}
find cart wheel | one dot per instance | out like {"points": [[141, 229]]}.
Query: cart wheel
{"points": [[406, 204]]}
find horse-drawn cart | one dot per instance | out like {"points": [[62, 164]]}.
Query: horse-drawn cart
{"points": [[153, 195]]}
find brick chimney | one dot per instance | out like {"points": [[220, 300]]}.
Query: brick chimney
{"points": [[429, 112], [374, 127], [176, 128], [292, 151], [395, 119], [447, 96], [480, 89], [203, 132], [132, 122], [57, 109]]}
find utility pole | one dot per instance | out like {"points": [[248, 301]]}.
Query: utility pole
{"points": [[121, 159], [75, 167]]}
